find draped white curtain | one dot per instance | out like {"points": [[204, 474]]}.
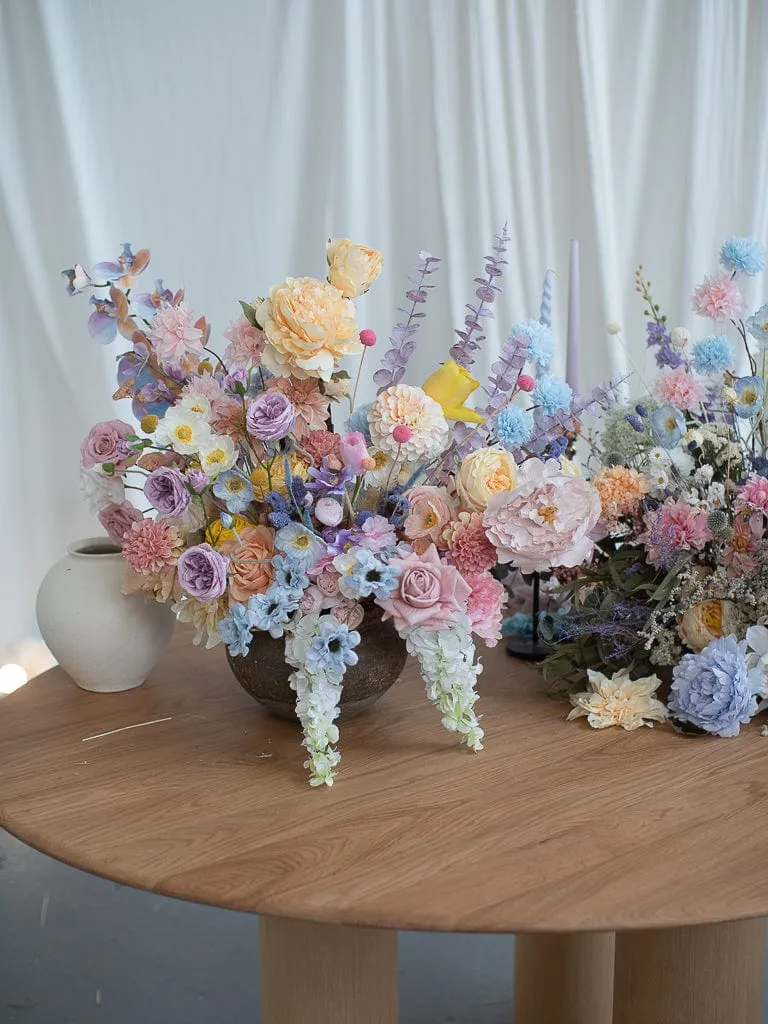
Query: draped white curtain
{"points": [[233, 138]]}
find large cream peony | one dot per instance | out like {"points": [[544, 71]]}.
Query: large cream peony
{"points": [[309, 326], [482, 474], [352, 268]]}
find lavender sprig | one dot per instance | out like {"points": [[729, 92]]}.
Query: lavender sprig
{"points": [[401, 340], [463, 352]]}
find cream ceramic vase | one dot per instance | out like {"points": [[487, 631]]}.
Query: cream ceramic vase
{"points": [[103, 639]]}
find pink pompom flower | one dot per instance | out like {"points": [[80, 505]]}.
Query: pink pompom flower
{"points": [[677, 387], [718, 298]]}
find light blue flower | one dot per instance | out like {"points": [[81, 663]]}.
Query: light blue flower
{"points": [[234, 489], [668, 426], [750, 392], [236, 630], [333, 648], [714, 690], [757, 325], [541, 344], [744, 254], [368, 576], [300, 544], [290, 575], [552, 394], [226, 520], [358, 422], [513, 427], [712, 355], [272, 610]]}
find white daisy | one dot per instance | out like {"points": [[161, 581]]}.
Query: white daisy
{"points": [[183, 430], [217, 454]]}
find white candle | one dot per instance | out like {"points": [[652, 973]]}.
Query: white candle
{"points": [[573, 337]]}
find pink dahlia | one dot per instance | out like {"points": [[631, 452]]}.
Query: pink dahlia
{"points": [[718, 298], [485, 606], [675, 526], [677, 387], [468, 544], [754, 494], [174, 335], [151, 545], [747, 534], [311, 406], [246, 343]]}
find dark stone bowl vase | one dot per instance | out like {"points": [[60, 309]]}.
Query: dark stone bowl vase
{"points": [[381, 653]]}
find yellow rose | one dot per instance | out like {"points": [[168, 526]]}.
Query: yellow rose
{"points": [[309, 327], [569, 468], [217, 535], [352, 268], [482, 474], [706, 621], [264, 482]]}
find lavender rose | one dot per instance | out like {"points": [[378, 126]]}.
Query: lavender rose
{"points": [[166, 490], [106, 442], [270, 416], [203, 572], [118, 517]]}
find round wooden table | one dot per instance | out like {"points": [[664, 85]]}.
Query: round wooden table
{"points": [[647, 849]]}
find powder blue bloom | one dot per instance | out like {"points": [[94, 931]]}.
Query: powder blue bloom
{"points": [[552, 394], [290, 575], [236, 630], [513, 427], [333, 648], [234, 489], [668, 426], [750, 392], [368, 576], [744, 254], [712, 355], [757, 325], [714, 690], [541, 344], [358, 422], [301, 545], [272, 610]]}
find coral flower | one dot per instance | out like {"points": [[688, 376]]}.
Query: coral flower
{"points": [[151, 545]]}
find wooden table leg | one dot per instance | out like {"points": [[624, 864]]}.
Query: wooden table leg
{"points": [[563, 978], [710, 974], [327, 974]]}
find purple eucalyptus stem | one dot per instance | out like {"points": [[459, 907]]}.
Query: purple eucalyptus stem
{"points": [[464, 349]]}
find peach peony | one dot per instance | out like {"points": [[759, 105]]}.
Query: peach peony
{"points": [[251, 570], [352, 268], [309, 326], [431, 509]]}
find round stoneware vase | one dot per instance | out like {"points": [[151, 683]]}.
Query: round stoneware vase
{"points": [[264, 672], [106, 641]]}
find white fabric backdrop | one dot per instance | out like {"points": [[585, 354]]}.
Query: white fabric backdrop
{"points": [[234, 138]]}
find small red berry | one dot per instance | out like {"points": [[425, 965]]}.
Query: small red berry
{"points": [[401, 433], [367, 337], [526, 383]]}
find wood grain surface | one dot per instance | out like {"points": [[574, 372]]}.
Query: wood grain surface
{"points": [[553, 827]]}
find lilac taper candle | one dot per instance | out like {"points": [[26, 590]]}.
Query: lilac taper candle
{"points": [[573, 337]]}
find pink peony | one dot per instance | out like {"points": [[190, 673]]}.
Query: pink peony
{"points": [[718, 298], [485, 605], [431, 509], [174, 335], [151, 545], [311, 406], [754, 494], [118, 518], [106, 442], [468, 544], [545, 521], [738, 553], [246, 343], [677, 387], [428, 593], [378, 534], [204, 384], [677, 526]]}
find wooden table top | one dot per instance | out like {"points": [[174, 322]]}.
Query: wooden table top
{"points": [[553, 827]]}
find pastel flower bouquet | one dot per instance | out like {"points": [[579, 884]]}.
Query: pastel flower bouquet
{"points": [[677, 590], [255, 513]]}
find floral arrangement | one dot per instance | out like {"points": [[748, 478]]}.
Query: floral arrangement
{"points": [[675, 596], [253, 512]]}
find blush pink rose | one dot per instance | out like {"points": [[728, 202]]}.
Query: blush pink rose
{"points": [[118, 518], [106, 442], [429, 592], [485, 606], [354, 453]]}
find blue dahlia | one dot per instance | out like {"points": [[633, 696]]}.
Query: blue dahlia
{"points": [[712, 355], [513, 427], [744, 254], [552, 394]]}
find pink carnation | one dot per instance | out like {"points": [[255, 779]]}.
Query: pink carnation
{"points": [[246, 343], [204, 384], [718, 298], [678, 388], [485, 605], [429, 592], [738, 553], [150, 546], [754, 494], [174, 335], [320, 444], [674, 525], [378, 534], [468, 544]]}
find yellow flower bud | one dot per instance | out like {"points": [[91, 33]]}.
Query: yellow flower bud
{"points": [[205, 367], [149, 423], [450, 386]]}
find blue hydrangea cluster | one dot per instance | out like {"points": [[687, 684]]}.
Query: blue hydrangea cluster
{"points": [[715, 691], [712, 355], [541, 344], [369, 576], [513, 427], [745, 255], [552, 394], [334, 646], [272, 610]]}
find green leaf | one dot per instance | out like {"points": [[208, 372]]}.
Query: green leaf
{"points": [[249, 313], [340, 375], [108, 468]]}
